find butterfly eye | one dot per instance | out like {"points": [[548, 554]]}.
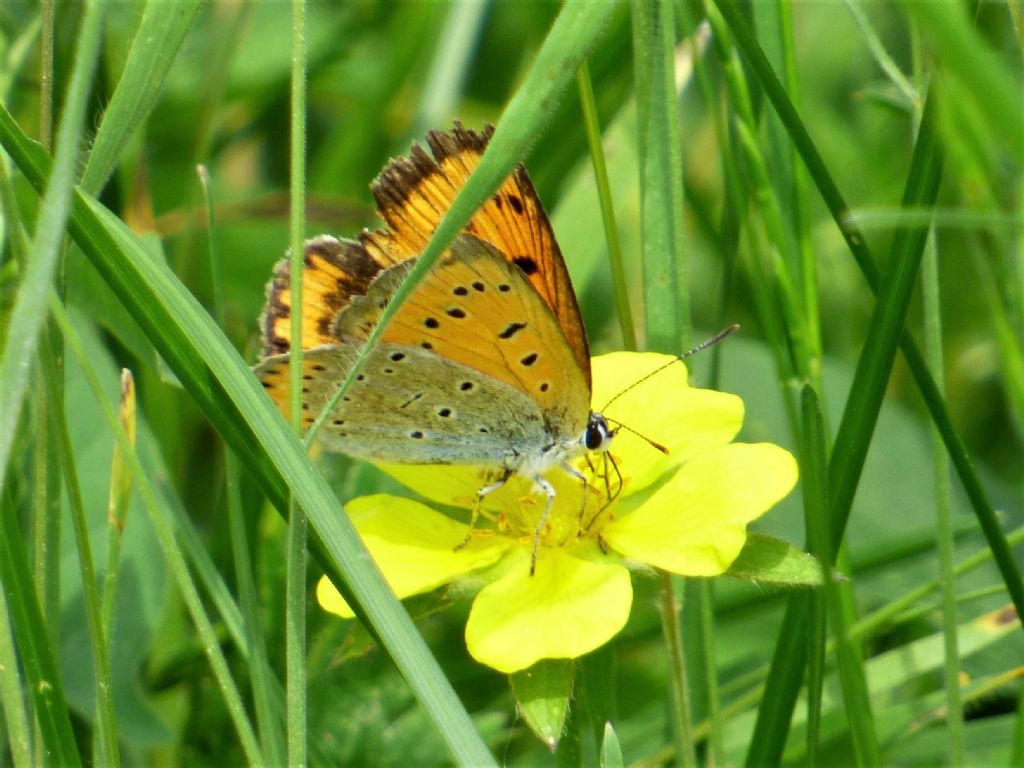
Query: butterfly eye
{"points": [[597, 436]]}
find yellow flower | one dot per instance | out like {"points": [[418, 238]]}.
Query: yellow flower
{"points": [[685, 512]]}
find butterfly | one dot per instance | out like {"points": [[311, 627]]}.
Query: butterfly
{"points": [[486, 363]]}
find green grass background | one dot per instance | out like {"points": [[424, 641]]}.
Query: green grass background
{"points": [[750, 239]]}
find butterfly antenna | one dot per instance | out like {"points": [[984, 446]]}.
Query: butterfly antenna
{"points": [[653, 443], [699, 348]]}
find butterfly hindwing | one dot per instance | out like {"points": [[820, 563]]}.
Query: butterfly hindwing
{"points": [[409, 406], [335, 271]]}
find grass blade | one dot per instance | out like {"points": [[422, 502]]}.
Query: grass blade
{"points": [[153, 50], [604, 192], [296, 557], [814, 479], [666, 314]]}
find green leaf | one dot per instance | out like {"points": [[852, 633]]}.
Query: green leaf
{"points": [[773, 561], [542, 694], [611, 752]]}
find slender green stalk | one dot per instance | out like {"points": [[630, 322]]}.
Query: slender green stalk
{"points": [[943, 506], [295, 605], [750, 240], [11, 693], [682, 731], [118, 500], [882, 57], [267, 699], [842, 613], [802, 220], [814, 479], [733, 216], [779, 288], [715, 720], [117, 516], [604, 193], [105, 721], [784, 297], [173, 556], [46, 75]]}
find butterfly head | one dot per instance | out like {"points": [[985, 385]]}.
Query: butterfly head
{"points": [[598, 435]]}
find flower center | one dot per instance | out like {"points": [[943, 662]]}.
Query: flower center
{"points": [[582, 504]]}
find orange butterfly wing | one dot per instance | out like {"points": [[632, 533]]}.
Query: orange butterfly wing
{"points": [[335, 272], [414, 193]]}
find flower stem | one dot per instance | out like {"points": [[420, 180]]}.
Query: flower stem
{"points": [[682, 732]]}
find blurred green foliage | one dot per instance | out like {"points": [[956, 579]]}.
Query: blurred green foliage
{"points": [[380, 74]]}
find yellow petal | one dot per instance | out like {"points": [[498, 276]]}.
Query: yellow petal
{"points": [[445, 484], [695, 524], [686, 420], [568, 607], [416, 548]]}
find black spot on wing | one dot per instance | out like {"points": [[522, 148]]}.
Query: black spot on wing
{"points": [[527, 264], [511, 330]]}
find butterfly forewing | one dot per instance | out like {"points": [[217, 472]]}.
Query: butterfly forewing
{"points": [[414, 193], [476, 309]]}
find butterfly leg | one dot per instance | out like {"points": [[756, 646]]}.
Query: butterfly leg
{"points": [[612, 489], [475, 515], [549, 489]]}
